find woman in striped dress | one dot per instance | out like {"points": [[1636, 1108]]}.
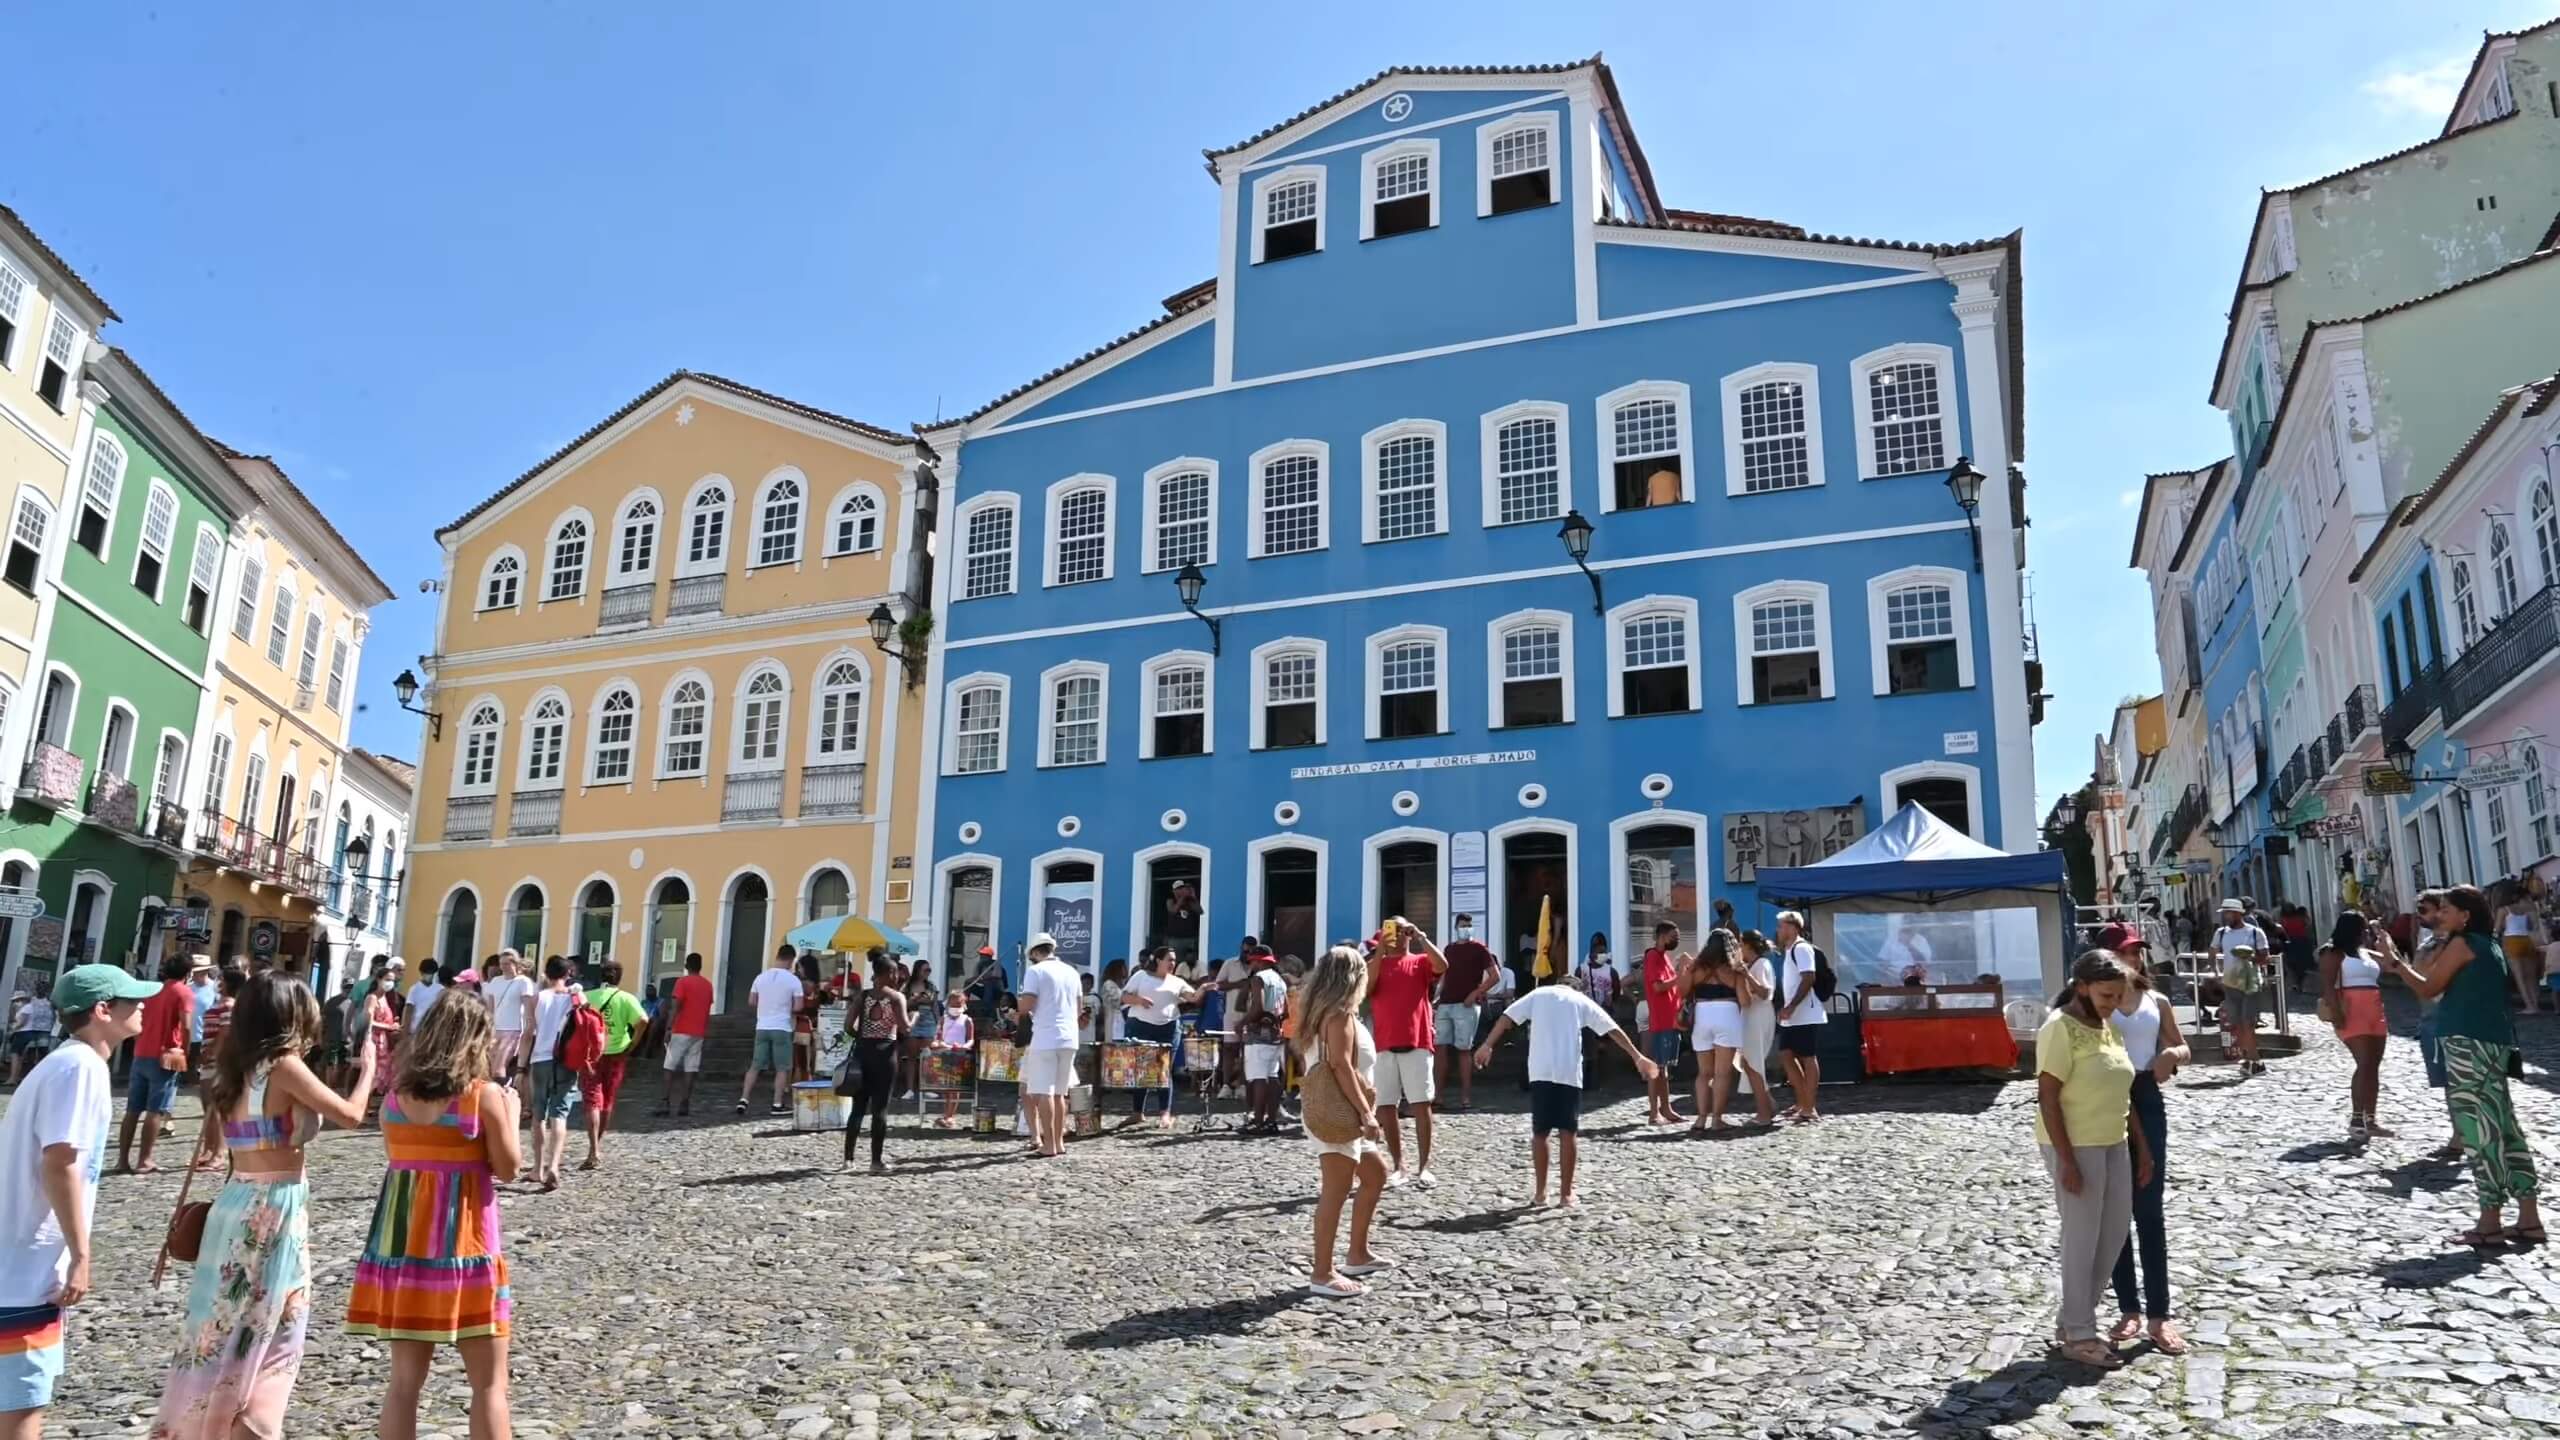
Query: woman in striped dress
{"points": [[433, 1271]]}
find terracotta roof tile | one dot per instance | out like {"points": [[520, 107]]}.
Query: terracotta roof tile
{"points": [[295, 494], [1699, 222], [400, 770], [1390, 73], [27, 232], [2487, 39]]}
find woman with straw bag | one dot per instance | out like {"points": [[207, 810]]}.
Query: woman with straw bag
{"points": [[1339, 1097]]}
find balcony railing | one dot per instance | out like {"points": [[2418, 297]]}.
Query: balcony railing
{"points": [[52, 777], [697, 595], [115, 803], [752, 797], [830, 790], [534, 812], [225, 841], [2410, 708], [2288, 779], [2529, 635], [625, 605], [469, 817], [170, 824], [2362, 709]]}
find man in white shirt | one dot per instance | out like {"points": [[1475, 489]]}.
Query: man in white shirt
{"points": [[1556, 1015], [1053, 995], [1801, 1011], [777, 993], [424, 995], [2241, 948], [510, 996], [52, 1142]]}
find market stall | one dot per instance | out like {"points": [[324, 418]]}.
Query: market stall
{"points": [[1945, 948]]}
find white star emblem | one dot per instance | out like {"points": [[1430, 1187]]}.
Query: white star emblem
{"points": [[1397, 107], [684, 413]]}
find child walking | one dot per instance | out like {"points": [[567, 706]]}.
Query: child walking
{"points": [[1555, 1016]]}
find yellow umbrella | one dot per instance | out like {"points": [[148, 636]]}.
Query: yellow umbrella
{"points": [[850, 935], [1545, 968]]}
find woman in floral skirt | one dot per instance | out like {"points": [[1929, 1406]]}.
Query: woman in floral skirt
{"points": [[241, 1345], [433, 1271]]}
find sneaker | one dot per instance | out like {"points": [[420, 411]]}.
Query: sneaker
{"points": [[742, 1107], [1395, 1179], [1425, 1179], [2358, 1131]]}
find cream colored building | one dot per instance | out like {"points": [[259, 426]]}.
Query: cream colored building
{"points": [[658, 720]]}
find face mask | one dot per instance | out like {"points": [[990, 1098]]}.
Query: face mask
{"points": [[1466, 932]]}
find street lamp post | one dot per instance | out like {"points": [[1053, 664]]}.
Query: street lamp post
{"points": [[1965, 483], [1576, 536], [1187, 585], [404, 687], [883, 624]]}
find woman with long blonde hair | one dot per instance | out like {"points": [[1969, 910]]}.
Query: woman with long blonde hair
{"points": [[1330, 1034]]}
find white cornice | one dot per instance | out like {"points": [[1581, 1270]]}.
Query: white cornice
{"points": [[1238, 161], [632, 647], [1889, 259], [1076, 374]]}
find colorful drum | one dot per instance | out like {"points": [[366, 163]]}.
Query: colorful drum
{"points": [[1200, 1054], [1136, 1065], [983, 1120], [1086, 1122], [998, 1060], [815, 1105], [946, 1069]]}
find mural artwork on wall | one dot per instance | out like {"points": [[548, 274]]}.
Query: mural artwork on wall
{"points": [[1754, 838]]}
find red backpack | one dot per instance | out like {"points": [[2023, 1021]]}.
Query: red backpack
{"points": [[581, 1040]]}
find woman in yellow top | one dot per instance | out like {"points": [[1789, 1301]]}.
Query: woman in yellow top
{"points": [[2084, 1105]]}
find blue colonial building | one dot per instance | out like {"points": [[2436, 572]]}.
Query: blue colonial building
{"points": [[1454, 336], [2237, 805]]}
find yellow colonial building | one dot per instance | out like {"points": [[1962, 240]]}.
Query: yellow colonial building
{"points": [[657, 719]]}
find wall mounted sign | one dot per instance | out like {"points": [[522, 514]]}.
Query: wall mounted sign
{"points": [[1427, 762], [2493, 774], [1964, 742], [2387, 780], [1754, 838], [1466, 850], [1398, 106], [263, 937], [20, 904]]}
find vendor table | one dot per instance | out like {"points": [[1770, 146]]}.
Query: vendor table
{"points": [[1934, 1027]]}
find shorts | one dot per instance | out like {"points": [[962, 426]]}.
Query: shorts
{"points": [[773, 1051], [684, 1052], [1454, 1026], [1262, 1062], [2523, 947], [1404, 1078], [30, 1356], [150, 1090], [1800, 1040], [1663, 1046], [1355, 1150], [31, 1042], [551, 1091], [1718, 1027], [2360, 1012], [601, 1086], [1048, 1072], [1554, 1105], [506, 1053], [2239, 1009]]}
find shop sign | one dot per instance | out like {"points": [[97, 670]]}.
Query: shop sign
{"points": [[1963, 742], [1427, 762], [2347, 822], [2388, 780], [2493, 774], [20, 905], [264, 936]]}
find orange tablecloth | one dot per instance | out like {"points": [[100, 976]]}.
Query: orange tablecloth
{"points": [[1942, 1042]]}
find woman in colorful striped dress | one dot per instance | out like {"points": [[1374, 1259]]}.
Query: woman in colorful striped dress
{"points": [[241, 1345], [433, 1271]]}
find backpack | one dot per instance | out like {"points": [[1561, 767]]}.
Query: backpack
{"points": [[581, 1040], [1825, 983]]}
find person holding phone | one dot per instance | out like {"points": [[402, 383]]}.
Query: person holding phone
{"points": [[2093, 1144], [2476, 1031], [1403, 970]]}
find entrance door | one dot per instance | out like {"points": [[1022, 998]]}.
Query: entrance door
{"points": [[748, 903], [1409, 885], [1071, 910], [1534, 873], [1288, 920], [1173, 906], [968, 900], [234, 937], [1662, 884], [461, 930], [88, 923], [670, 919], [592, 931]]}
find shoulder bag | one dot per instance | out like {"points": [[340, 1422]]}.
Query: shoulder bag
{"points": [[184, 1239], [1325, 1110]]}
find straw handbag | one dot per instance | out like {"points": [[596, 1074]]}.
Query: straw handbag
{"points": [[1328, 1113]]}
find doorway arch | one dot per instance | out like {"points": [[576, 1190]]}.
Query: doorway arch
{"points": [[745, 912]]}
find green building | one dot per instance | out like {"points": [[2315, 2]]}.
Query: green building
{"points": [[134, 566]]}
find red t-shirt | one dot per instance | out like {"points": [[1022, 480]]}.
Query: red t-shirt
{"points": [[1469, 963], [164, 1020], [692, 1006], [1661, 992], [1400, 1003]]}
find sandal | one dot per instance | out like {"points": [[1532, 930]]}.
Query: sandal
{"points": [[2092, 1353], [2126, 1328], [2528, 1235], [1340, 1287], [2480, 1239], [1374, 1265], [2167, 1339]]}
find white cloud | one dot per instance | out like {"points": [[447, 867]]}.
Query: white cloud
{"points": [[2427, 91], [2127, 499]]}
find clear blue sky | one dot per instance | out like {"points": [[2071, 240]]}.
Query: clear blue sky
{"points": [[412, 256]]}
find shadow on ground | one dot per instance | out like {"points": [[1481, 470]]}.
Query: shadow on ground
{"points": [[1181, 1322]]}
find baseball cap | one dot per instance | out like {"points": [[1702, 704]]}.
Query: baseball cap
{"points": [[84, 987], [986, 952], [1042, 940], [2119, 936], [467, 977]]}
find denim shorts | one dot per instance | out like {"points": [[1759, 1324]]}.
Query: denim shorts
{"points": [[773, 1051], [553, 1089], [1664, 1047], [149, 1089]]}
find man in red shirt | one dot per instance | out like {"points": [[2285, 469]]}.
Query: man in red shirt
{"points": [[1402, 971], [689, 1020], [1463, 987], [1663, 965], [159, 1057]]}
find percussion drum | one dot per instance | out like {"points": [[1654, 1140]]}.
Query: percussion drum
{"points": [[1086, 1122], [946, 1069], [815, 1105], [1200, 1053], [1136, 1065], [983, 1120], [998, 1060]]}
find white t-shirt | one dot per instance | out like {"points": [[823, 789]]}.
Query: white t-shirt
{"points": [[66, 1100], [775, 992], [1163, 997], [1234, 972], [506, 1002], [1109, 1021], [550, 1011], [1761, 976], [37, 1018], [1055, 993], [1503, 984], [1799, 970], [1556, 1016], [422, 998]]}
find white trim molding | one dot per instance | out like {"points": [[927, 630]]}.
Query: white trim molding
{"points": [[1371, 161], [1862, 421], [1621, 895], [952, 690], [1372, 678], [1263, 655], [551, 556], [1375, 845], [717, 562], [1489, 456], [654, 526], [1487, 133], [1496, 923], [1683, 608], [1745, 601], [1371, 443], [1605, 435], [1808, 382], [1256, 515], [1057, 675], [1889, 788], [940, 911], [1155, 666], [1150, 553], [836, 507], [1139, 909], [1255, 919], [1960, 597], [1497, 669], [968, 510], [1264, 184], [484, 601], [1039, 891]]}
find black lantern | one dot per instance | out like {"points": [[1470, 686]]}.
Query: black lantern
{"points": [[356, 852], [882, 622], [1576, 536], [2066, 812], [1187, 585], [885, 625], [1965, 483], [404, 688]]}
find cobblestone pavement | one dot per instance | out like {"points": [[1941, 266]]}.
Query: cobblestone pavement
{"points": [[1886, 1272]]}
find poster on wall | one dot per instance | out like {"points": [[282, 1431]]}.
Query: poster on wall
{"points": [[1754, 838], [1066, 911]]}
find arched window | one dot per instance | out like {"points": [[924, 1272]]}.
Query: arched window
{"points": [[1404, 470], [1772, 429], [987, 526], [27, 529], [1288, 514], [635, 539], [1407, 671], [99, 486], [1900, 395], [2537, 799], [309, 674], [1653, 656], [476, 761], [2544, 517], [1290, 207], [761, 701], [2466, 605], [57, 708], [546, 742], [616, 723], [280, 617], [778, 520], [568, 558], [1288, 694], [836, 724], [1182, 513], [1176, 690], [1782, 643], [1530, 660], [2507, 590], [1920, 628], [830, 893], [688, 723], [1080, 530], [853, 526], [1645, 445], [706, 529], [1073, 717], [159, 532], [522, 931], [1526, 469], [501, 585], [976, 724]]}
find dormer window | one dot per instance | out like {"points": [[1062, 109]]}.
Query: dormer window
{"points": [[1516, 162], [1403, 184], [1289, 206]]}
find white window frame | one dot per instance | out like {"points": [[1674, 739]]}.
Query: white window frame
{"points": [[1889, 788], [1606, 416], [525, 750], [306, 670], [623, 522], [1489, 457], [118, 705], [208, 554], [152, 495], [1495, 667], [951, 693], [1376, 440], [1050, 679], [1263, 185], [280, 618], [1050, 540], [739, 761], [2506, 574], [1487, 134], [1374, 160], [1154, 515], [1256, 536], [59, 322], [766, 497], [2541, 528], [461, 752], [1154, 666], [107, 450], [253, 584], [1743, 604], [1010, 503], [1685, 609], [489, 574], [819, 693], [666, 724], [551, 556], [341, 659], [1862, 418], [859, 490], [1879, 648], [717, 563], [1808, 379], [1372, 682], [21, 288], [1263, 655], [596, 746]]}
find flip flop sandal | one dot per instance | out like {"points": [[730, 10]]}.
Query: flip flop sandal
{"points": [[1372, 1268], [1341, 1287], [2479, 1239], [2533, 1235]]}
